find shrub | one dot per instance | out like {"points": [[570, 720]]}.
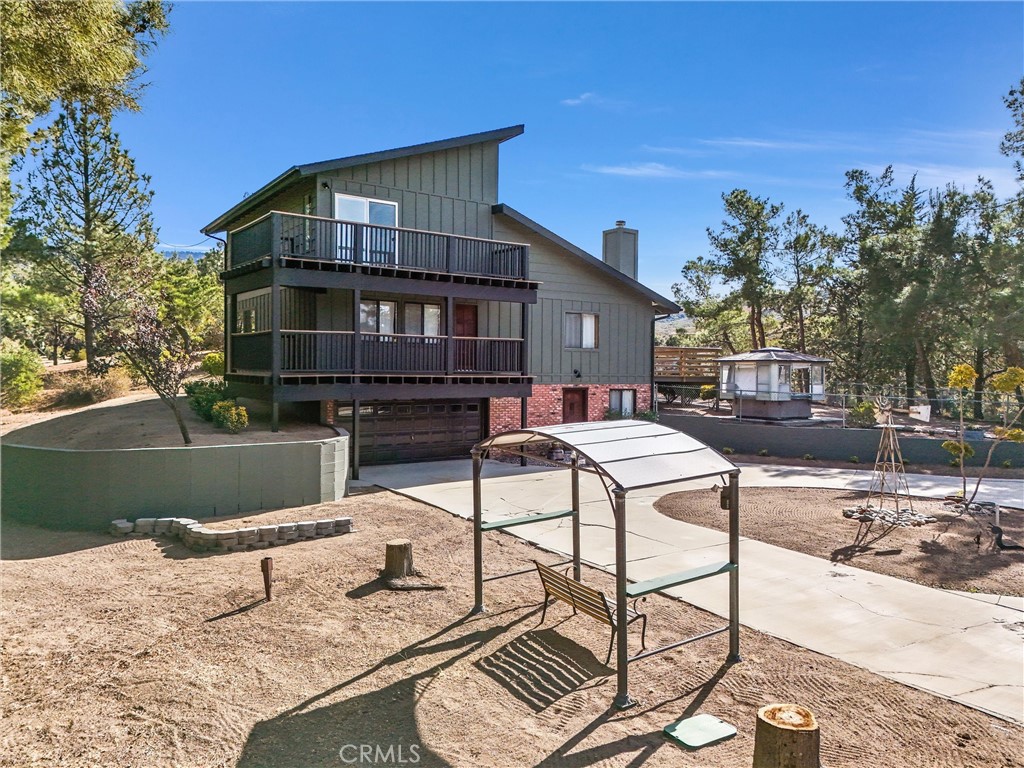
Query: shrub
{"points": [[21, 373], [610, 414], [854, 459], [77, 355], [728, 451], [227, 414], [960, 452], [1008, 464], [708, 392], [203, 395], [86, 389], [808, 457], [646, 415], [213, 364], [763, 452], [861, 415]]}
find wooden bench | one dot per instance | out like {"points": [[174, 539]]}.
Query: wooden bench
{"points": [[587, 600]]}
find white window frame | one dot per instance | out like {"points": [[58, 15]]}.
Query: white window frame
{"points": [[364, 303], [622, 395], [384, 251], [590, 330]]}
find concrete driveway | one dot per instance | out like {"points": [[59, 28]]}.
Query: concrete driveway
{"points": [[967, 648]]}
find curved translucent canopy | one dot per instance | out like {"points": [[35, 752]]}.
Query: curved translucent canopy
{"points": [[631, 454]]}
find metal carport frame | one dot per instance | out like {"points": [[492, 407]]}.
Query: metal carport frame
{"points": [[626, 455]]}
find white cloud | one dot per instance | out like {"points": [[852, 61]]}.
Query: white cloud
{"points": [[590, 99], [740, 142], [683, 151], [937, 176], [656, 171]]}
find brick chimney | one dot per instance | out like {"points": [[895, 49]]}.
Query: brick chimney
{"points": [[619, 249]]}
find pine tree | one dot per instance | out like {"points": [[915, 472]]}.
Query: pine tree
{"points": [[91, 209]]}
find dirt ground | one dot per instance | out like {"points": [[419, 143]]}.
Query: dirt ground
{"points": [[141, 420], [956, 552], [138, 652]]}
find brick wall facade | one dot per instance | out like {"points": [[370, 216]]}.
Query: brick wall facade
{"points": [[544, 408]]}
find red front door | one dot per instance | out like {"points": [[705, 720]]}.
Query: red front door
{"points": [[574, 405], [465, 329]]}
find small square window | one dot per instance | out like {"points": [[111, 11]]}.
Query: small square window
{"points": [[581, 330]]}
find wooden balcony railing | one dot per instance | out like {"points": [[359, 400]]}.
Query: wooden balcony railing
{"points": [[334, 352], [309, 237]]}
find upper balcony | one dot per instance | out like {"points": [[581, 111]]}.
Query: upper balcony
{"points": [[296, 240]]}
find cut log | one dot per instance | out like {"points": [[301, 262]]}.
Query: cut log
{"points": [[787, 736], [398, 559]]}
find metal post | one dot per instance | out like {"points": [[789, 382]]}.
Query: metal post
{"points": [[734, 574], [355, 439], [478, 537], [576, 573], [622, 698]]}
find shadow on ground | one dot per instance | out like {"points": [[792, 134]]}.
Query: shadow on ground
{"points": [[19, 541]]}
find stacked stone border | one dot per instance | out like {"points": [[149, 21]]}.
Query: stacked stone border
{"points": [[199, 538]]}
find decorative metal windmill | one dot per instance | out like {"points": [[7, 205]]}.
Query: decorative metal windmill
{"points": [[890, 478]]}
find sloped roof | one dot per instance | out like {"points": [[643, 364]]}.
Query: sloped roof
{"points": [[660, 302], [770, 354], [297, 172], [631, 454]]}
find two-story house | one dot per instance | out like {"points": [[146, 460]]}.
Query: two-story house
{"points": [[391, 294]]}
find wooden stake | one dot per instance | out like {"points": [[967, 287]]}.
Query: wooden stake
{"points": [[398, 559], [267, 566], [786, 737]]}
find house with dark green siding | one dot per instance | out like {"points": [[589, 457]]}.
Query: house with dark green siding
{"points": [[391, 294]]}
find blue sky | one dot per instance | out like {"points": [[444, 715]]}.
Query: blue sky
{"points": [[642, 112]]}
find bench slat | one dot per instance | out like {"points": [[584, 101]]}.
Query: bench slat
{"points": [[513, 521], [675, 579]]}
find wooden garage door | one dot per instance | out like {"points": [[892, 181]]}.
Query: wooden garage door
{"points": [[411, 431]]}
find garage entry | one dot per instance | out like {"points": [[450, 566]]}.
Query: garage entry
{"points": [[393, 432]]}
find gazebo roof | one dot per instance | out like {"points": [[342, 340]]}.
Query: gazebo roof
{"points": [[631, 454], [776, 354]]}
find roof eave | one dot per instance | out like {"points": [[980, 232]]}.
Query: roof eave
{"points": [[659, 302], [298, 171]]}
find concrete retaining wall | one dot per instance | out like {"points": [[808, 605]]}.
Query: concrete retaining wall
{"points": [[61, 488], [829, 444]]}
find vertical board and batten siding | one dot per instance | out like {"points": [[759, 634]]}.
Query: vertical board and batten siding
{"points": [[298, 308], [289, 201], [450, 191], [568, 284]]}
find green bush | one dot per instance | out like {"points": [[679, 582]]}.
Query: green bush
{"points": [[728, 451], [213, 364], [234, 418], [959, 452], [854, 459], [708, 392], [85, 388], [203, 395], [646, 415], [763, 452], [861, 415], [808, 457], [610, 414], [21, 374], [1008, 464], [77, 355]]}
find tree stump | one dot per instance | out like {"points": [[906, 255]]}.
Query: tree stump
{"points": [[787, 736], [398, 559]]}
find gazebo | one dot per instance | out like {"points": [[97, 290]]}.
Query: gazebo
{"points": [[625, 455], [772, 383]]}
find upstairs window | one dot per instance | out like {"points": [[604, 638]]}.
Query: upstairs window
{"points": [[581, 330], [422, 319], [377, 316]]}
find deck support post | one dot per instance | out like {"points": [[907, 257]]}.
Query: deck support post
{"points": [[354, 442], [478, 541], [734, 574], [622, 698]]}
